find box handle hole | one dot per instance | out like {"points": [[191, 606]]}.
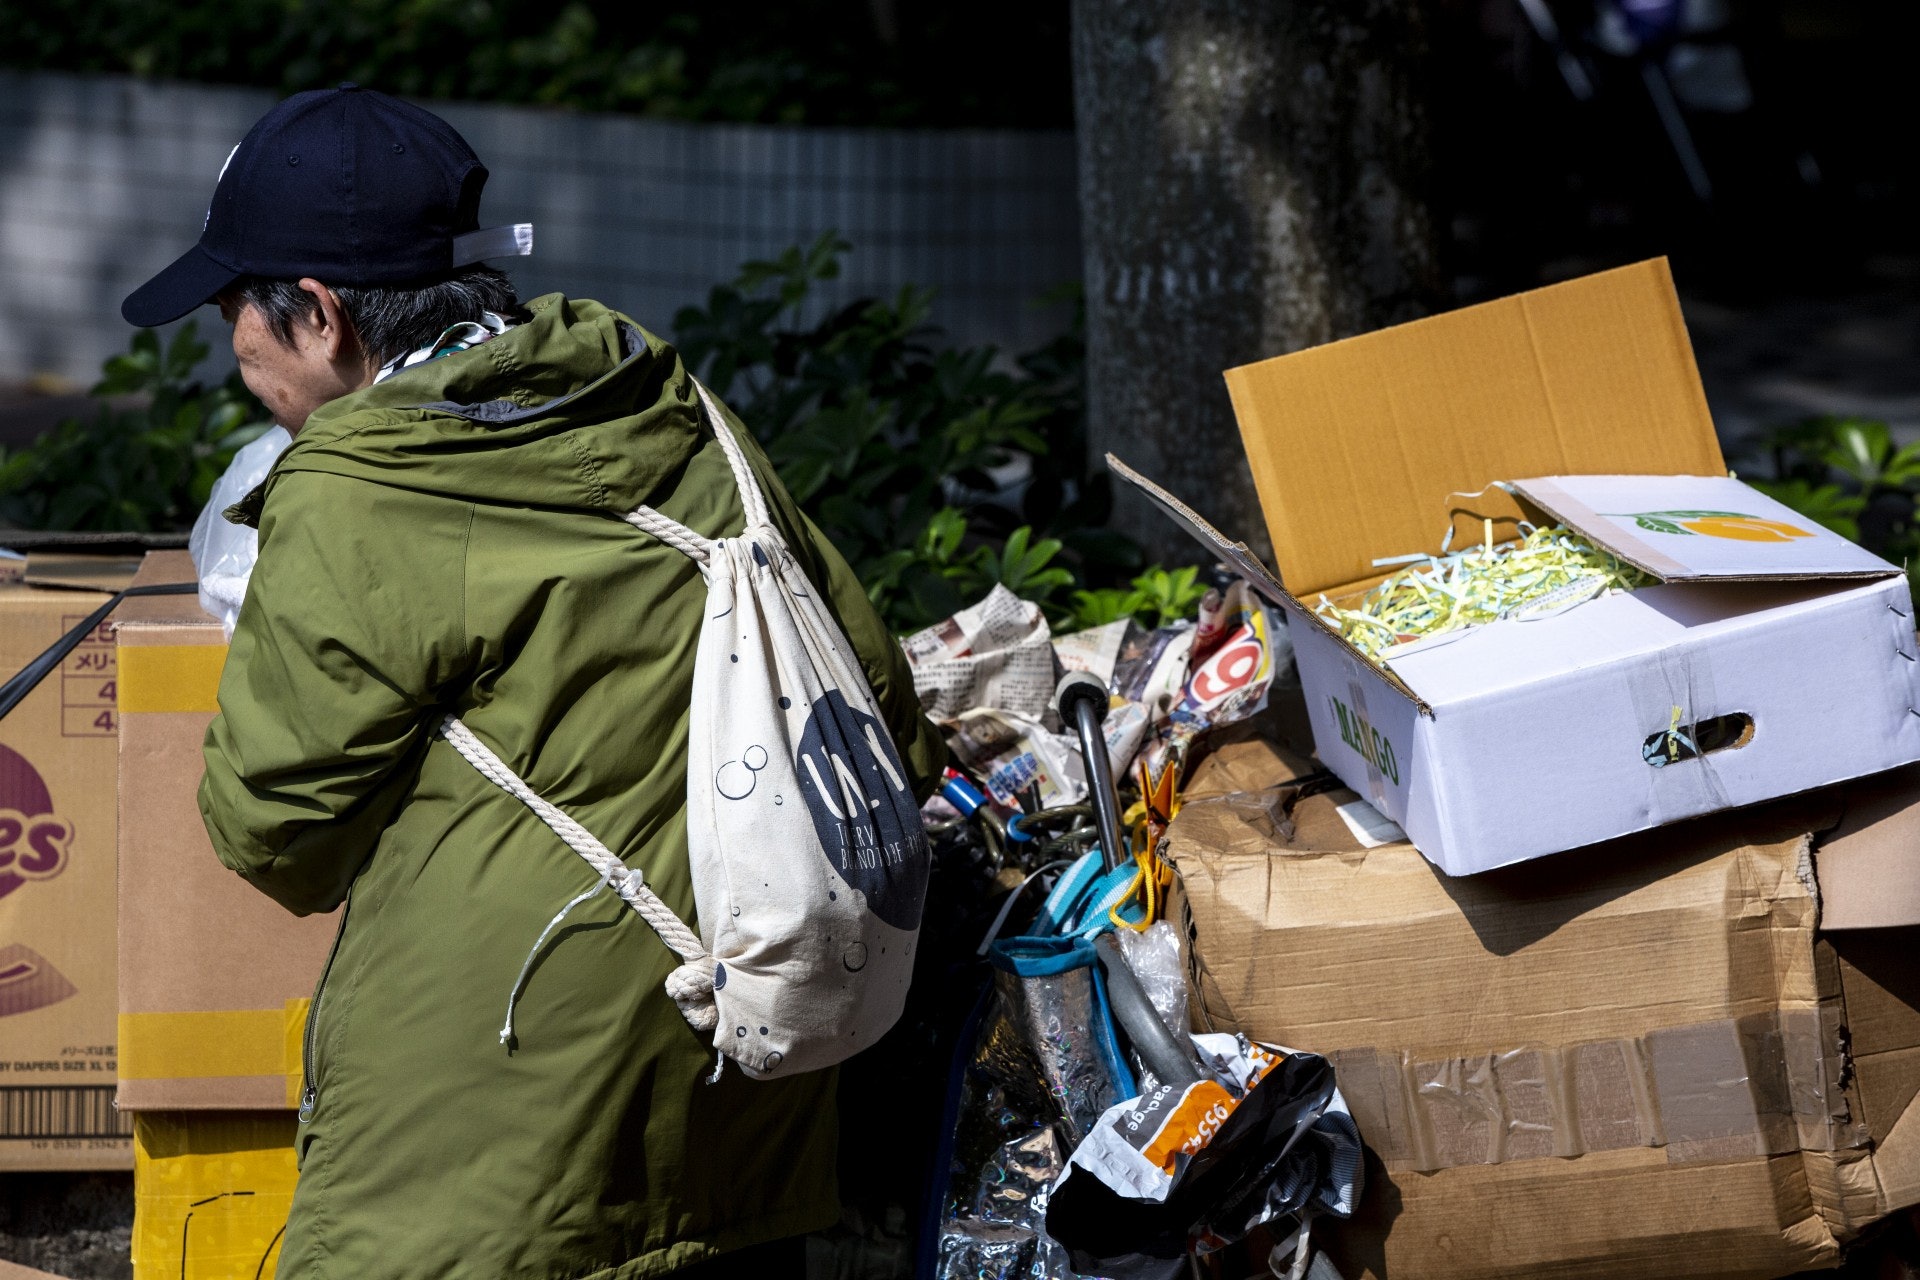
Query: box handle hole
{"points": [[1688, 741]]}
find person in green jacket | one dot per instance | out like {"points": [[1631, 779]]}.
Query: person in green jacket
{"points": [[444, 535]]}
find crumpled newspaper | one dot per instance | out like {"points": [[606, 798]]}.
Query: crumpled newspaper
{"points": [[1235, 651], [996, 654], [987, 676], [1010, 753]]}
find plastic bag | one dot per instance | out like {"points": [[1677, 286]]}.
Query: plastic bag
{"points": [[224, 552], [1265, 1140], [1041, 1065], [1154, 956]]}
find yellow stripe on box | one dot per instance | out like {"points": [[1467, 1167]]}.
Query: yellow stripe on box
{"points": [[211, 1045], [211, 1193], [170, 677], [294, 1045]]}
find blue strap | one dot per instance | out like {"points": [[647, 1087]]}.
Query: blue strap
{"points": [[1059, 910], [1102, 896]]}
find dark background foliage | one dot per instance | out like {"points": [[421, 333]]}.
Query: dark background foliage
{"points": [[867, 62]]}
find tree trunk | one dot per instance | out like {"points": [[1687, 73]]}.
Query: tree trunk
{"points": [[1254, 178]]}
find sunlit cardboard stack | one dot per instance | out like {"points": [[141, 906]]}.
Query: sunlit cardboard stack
{"points": [[1648, 1063], [57, 1058], [215, 977], [1635, 1049]]}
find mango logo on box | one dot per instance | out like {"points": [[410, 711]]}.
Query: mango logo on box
{"points": [[1365, 739], [33, 842], [1716, 524]]}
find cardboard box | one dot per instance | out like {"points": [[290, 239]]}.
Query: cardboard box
{"points": [[211, 1192], [1584, 396], [57, 818], [14, 1271], [215, 977], [1641, 1064], [1870, 862]]}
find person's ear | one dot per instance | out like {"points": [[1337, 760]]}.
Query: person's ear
{"points": [[331, 325]]}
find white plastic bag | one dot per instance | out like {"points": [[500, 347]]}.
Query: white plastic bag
{"points": [[224, 552]]}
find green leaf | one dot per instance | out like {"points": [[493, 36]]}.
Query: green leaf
{"points": [[1098, 608], [141, 468], [883, 432], [1654, 525], [1170, 596], [1859, 448]]}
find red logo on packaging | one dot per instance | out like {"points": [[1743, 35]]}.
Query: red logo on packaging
{"points": [[33, 842]]}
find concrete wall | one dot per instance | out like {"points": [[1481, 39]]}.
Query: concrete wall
{"points": [[103, 180]]}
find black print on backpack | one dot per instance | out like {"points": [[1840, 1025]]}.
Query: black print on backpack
{"points": [[863, 809]]}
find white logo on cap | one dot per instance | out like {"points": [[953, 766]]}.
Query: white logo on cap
{"points": [[216, 184]]}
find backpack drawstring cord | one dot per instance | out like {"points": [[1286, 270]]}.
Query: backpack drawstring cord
{"points": [[520, 983]]}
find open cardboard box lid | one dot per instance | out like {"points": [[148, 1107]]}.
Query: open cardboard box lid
{"points": [[1700, 529], [1359, 448], [1581, 398]]}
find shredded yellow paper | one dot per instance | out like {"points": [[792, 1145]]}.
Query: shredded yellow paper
{"points": [[1547, 569]]}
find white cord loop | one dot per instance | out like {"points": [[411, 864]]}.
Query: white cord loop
{"points": [[520, 983], [675, 535], [691, 984]]}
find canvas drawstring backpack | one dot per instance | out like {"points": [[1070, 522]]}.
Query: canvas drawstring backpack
{"points": [[808, 858]]}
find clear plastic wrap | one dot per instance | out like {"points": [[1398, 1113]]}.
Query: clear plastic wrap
{"points": [[1033, 1084], [223, 552], [1154, 956]]}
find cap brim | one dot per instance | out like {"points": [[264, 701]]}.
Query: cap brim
{"points": [[193, 280]]}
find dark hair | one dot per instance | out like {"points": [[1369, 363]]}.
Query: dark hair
{"points": [[390, 319]]}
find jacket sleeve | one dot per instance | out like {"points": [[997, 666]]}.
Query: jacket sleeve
{"points": [[353, 621]]}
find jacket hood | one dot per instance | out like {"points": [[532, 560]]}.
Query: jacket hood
{"points": [[579, 408]]}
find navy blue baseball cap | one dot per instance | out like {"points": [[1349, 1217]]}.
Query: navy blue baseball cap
{"points": [[347, 185]]}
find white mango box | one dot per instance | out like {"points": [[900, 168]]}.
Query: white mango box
{"points": [[1770, 656]]}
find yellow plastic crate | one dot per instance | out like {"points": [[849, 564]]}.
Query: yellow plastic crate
{"points": [[211, 1191]]}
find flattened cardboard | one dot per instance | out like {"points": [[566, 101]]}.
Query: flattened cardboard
{"points": [[1558, 1069], [1870, 863], [14, 1271], [1881, 983], [79, 570], [1700, 529], [216, 978], [57, 817]]}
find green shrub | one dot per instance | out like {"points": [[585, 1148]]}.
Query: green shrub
{"points": [[149, 468], [1849, 475], [885, 437], [840, 62], [886, 440], [1154, 599]]}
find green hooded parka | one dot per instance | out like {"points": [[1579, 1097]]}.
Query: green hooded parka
{"points": [[450, 540]]}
